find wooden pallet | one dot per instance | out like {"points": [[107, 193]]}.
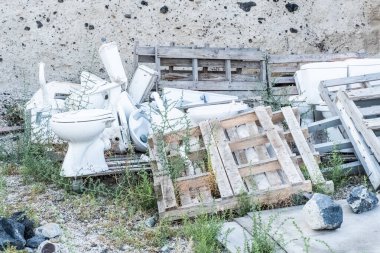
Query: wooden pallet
{"points": [[224, 70], [250, 153], [357, 104], [281, 69]]}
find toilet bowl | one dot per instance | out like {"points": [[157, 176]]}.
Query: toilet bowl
{"points": [[142, 83], [83, 131], [139, 127]]}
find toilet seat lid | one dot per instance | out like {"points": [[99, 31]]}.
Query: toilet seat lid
{"points": [[83, 116]]}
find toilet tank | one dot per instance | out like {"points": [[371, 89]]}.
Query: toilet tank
{"points": [[142, 83]]}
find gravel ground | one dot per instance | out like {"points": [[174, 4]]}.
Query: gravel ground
{"points": [[88, 224]]}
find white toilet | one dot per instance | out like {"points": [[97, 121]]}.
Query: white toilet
{"points": [[83, 130]]}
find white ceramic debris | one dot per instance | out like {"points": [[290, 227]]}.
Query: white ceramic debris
{"points": [[202, 113], [83, 130], [142, 83], [172, 118], [191, 98], [110, 56]]}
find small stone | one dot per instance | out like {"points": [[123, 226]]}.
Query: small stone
{"points": [[165, 249], [246, 6], [164, 9], [145, 3], [151, 222], [91, 27], [27, 28], [50, 230], [127, 15], [291, 7], [60, 1], [321, 212], [361, 200], [35, 241], [293, 30], [39, 24], [47, 247]]}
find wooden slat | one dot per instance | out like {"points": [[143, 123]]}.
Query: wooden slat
{"points": [[225, 153], [210, 53], [305, 58], [303, 147], [373, 124], [287, 164], [164, 185], [204, 85], [364, 94], [195, 181], [268, 165], [350, 80], [217, 164]]}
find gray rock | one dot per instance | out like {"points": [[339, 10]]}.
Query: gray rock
{"points": [[165, 249], [49, 230], [35, 241], [11, 234], [321, 212], [151, 222], [29, 224], [361, 200]]}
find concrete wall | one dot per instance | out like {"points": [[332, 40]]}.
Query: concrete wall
{"points": [[66, 34]]}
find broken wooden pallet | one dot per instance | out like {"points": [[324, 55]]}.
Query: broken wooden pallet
{"points": [[250, 153], [236, 71], [357, 104]]}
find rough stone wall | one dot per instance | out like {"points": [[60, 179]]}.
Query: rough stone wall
{"points": [[66, 34]]}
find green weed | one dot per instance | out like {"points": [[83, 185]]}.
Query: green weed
{"points": [[203, 231]]}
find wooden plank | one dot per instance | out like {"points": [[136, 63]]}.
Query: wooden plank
{"points": [[323, 124], [204, 85], [358, 120], [211, 53], [305, 58], [195, 181], [282, 80], [254, 168], [225, 153], [164, 186], [158, 64], [370, 111], [12, 129], [350, 80], [303, 147], [195, 70], [228, 70], [331, 146], [217, 164], [286, 162], [364, 93], [372, 124], [362, 151]]}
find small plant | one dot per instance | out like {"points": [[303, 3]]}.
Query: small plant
{"points": [[335, 172], [261, 242], [203, 231]]}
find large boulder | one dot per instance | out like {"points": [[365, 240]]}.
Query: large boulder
{"points": [[321, 212], [361, 200]]}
